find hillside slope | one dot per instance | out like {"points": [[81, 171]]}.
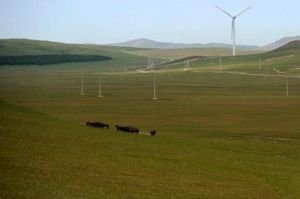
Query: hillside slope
{"points": [[24, 47], [37, 47], [280, 61], [187, 52], [291, 45], [276, 44]]}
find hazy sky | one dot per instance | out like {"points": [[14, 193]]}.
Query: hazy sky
{"points": [[187, 21]]}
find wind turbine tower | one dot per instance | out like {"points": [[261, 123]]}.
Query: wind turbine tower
{"points": [[233, 33]]}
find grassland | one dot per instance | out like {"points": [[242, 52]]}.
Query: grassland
{"points": [[286, 61], [180, 53], [220, 135]]}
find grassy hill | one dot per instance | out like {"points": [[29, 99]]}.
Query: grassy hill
{"points": [[120, 60], [37, 47], [285, 59], [180, 53], [290, 45]]}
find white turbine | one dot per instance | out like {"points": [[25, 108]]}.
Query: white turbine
{"points": [[233, 34]]}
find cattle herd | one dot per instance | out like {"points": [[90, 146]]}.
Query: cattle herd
{"points": [[126, 129]]}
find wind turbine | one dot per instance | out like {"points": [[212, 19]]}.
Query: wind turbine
{"points": [[233, 34]]}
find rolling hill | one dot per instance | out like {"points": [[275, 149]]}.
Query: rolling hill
{"points": [[150, 44], [187, 52], [278, 43], [147, 43], [61, 51], [16, 47], [291, 45], [283, 60]]}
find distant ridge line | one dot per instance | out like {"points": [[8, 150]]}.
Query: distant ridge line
{"points": [[147, 43]]}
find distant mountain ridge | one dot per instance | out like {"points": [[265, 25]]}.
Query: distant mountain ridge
{"points": [[147, 43], [291, 45], [279, 43]]}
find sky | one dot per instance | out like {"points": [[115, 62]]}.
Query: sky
{"points": [[184, 21]]}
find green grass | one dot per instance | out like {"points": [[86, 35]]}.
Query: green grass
{"points": [[45, 157], [219, 135], [180, 53], [283, 60]]}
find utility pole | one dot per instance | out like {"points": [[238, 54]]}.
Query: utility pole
{"points": [[150, 64], [154, 88], [82, 92], [287, 85], [220, 64], [259, 63], [22, 78], [100, 86], [186, 65]]}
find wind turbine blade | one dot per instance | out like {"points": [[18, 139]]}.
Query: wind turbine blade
{"points": [[224, 11], [242, 12]]}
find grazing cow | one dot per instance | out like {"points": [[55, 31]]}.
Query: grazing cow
{"points": [[153, 132], [118, 128], [132, 129], [127, 129], [106, 126], [97, 124]]}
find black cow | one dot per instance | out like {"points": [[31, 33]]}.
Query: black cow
{"points": [[132, 129], [127, 129], [97, 124], [120, 128], [153, 132]]}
